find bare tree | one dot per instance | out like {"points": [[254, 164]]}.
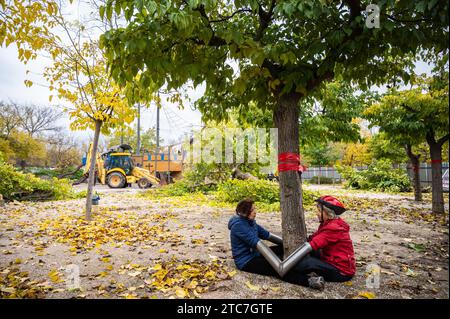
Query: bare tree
{"points": [[63, 150], [35, 119], [9, 119]]}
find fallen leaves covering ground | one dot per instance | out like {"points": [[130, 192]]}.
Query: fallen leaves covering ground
{"points": [[138, 247], [123, 228]]}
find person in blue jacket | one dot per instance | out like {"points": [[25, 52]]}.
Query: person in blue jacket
{"points": [[245, 234]]}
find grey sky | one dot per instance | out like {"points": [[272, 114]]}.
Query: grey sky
{"points": [[12, 87]]}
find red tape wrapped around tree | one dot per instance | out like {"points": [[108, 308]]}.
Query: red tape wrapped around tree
{"points": [[292, 162]]}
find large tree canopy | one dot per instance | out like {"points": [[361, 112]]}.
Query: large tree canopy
{"points": [[251, 50]]}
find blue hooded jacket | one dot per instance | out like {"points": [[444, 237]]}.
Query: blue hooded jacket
{"points": [[244, 235]]}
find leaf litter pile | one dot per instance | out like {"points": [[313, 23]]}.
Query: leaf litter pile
{"points": [[108, 227], [137, 247]]}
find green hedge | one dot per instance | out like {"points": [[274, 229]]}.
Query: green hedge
{"points": [[15, 185], [380, 176], [261, 191], [265, 193]]}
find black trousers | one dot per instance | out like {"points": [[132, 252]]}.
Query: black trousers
{"points": [[299, 273]]}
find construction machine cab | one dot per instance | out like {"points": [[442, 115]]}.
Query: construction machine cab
{"points": [[119, 160]]}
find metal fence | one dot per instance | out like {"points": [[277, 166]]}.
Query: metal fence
{"points": [[333, 174]]}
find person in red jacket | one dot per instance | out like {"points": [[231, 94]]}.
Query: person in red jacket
{"points": [[333, 256]]}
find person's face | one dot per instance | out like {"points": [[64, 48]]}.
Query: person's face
{"points": [[319, 213], [252, 213]]}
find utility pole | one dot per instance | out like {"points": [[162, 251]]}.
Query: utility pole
{"points": [[121, 133], [138, 144], [157, 135]]}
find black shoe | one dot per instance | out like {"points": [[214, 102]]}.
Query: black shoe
{"points": [[316, 282]]}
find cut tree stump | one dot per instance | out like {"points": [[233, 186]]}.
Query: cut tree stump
{"points": [[238, 174]]}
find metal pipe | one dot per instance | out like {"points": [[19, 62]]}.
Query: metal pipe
{"points": [[275, 239], [270, 256], [296, 256], [283, 267], [157, 139], [138, 143]]}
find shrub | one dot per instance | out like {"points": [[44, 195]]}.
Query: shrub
{"points": [[261, 191], [205, 177], [181, 188], [265, 193], [378, 176], [15, 185]]}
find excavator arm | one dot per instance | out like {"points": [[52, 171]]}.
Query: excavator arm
{"points": [[99, 165]]}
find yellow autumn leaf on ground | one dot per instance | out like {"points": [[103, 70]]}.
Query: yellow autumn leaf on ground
{"points": [[162, 250], [18, 261], [181, 293], [157, 267], [134, 273], [160, 274], [210, 275], [198, 226], [252, 287], [348, 283], [198, 241], [193, 284], [9, 290], [54, 276], [367, 295]]}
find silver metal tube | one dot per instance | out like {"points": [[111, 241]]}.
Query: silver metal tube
{"points": [[275, 239], [283, 267], [270, 256], [295, 257]]}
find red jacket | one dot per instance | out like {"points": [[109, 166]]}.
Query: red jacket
{"points": [[333, 238]]}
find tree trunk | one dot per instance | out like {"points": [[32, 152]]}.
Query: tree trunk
{"points": [[70, 173], [291, 202], [436, 178], [415, 165], [92, 175], [238, 174]]}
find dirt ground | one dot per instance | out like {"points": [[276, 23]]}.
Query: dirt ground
{"points": [[137, 246]]}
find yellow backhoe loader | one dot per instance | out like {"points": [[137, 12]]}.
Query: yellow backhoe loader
{"points": [[116, 169]]}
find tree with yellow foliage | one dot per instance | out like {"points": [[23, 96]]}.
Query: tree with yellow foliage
{"points": [[357, 154], [78, 73]]}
